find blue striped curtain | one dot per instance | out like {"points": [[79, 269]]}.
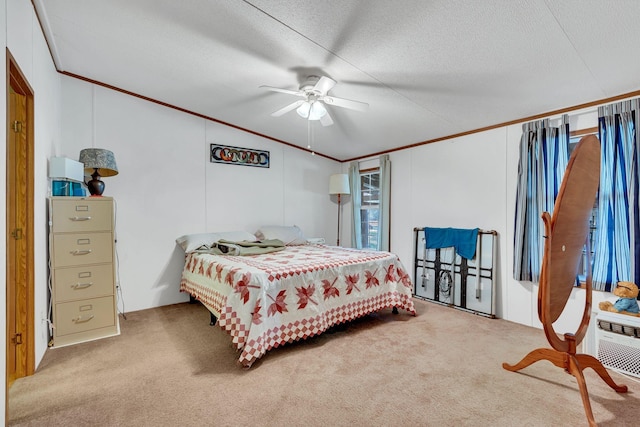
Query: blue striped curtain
{"points": [[617, 237], [543, 160]]}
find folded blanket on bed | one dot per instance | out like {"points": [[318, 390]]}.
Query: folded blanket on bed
{"points": [[463, 240], [227, 247]]}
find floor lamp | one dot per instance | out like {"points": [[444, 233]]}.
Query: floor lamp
{"points": [[339, 184]]}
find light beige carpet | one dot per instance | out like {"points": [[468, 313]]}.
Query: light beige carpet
{"points": [[441, 368]]}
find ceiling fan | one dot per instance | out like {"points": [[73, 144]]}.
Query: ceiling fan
{"points": [[314, 91]]}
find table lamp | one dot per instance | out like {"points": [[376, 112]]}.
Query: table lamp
{"points": [[99, 162]]}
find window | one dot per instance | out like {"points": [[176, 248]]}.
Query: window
{"points": [[370, 207], [615, 232]]}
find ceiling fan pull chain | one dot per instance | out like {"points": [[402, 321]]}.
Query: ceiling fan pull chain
{"points": [[310, 137]]}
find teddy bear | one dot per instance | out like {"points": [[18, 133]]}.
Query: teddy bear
{"points": [[627, 302]]}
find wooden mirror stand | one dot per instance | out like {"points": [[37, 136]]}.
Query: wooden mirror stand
{"points": [[566, 233]]}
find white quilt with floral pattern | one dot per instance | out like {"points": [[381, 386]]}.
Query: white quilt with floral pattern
{"points": [[264, 301]]}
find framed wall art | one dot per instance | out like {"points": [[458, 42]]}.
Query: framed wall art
{"points": [[238, 156]]}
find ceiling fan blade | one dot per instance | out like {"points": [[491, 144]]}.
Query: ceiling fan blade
{"points": [[345, 103], [326, 120], [288, 108], [324, 85], [287, 91]]}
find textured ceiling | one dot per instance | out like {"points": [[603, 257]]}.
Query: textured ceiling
{"points": [[428, 69]]}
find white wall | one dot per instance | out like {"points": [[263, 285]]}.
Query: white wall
{"points": [[166, 186], [26, 43], [470, 182]]}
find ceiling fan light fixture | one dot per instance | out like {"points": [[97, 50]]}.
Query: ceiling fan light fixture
{"points": [[314, 93], [312, 110], [304, 109], [317, 111]]}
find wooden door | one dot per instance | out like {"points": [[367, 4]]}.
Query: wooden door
{"points": [[19, 236]]}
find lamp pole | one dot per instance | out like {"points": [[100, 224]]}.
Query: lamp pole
{"points": [[338, 239], [339, 185]]}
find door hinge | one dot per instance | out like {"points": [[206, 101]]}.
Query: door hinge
{"points": [[17, 338], [17, 233], [16, 126]]}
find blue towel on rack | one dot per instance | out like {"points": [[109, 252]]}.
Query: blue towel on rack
{"points": [[463, 240]]}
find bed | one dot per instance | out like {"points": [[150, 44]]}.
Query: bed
{"points": [[267, 300]]}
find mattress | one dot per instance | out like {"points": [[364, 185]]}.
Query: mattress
{"points": [[264, 301]]}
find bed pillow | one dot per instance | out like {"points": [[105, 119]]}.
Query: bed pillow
{"points": [[191, 242], [290, 235]]}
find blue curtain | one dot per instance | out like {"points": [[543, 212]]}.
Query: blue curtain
{"points": [[617, 238], [543, 160], [356, 203]]}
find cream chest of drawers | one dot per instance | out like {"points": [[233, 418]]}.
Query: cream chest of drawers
{"points": [[81, 251]]}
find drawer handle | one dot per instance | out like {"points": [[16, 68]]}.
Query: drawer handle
{"points": [[80, 218], [82, 285], [80, 319], [85, 252]]}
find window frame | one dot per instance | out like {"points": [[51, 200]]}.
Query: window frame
{"points": [[366, 239]]}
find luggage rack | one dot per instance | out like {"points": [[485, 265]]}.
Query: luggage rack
{"points": [[446, 278]]}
